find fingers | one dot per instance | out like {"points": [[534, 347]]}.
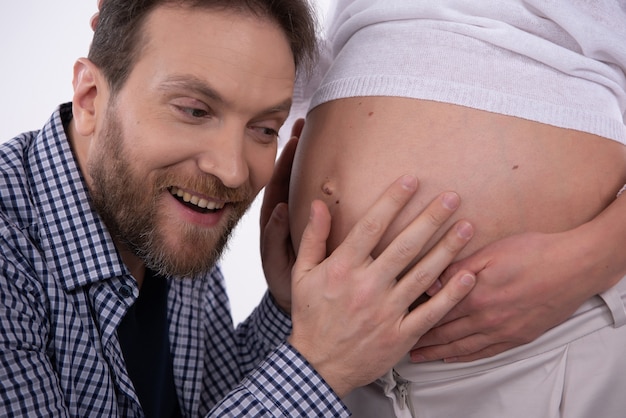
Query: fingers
{"points": [[421, 276], [475, 262], [363, 237], [443, 345], [312, 249], [276, 236], [488, 351], [426, 315], [367, 232], [277, 256], [410, 242], [474, 347], [93, 22], [296, 129], [435, 287], [443, 335], [277, 190]]}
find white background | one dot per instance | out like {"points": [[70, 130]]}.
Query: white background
{"points": [[39, 42]]}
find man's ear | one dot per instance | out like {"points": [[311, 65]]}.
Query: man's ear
{"points": [[89, 93]]}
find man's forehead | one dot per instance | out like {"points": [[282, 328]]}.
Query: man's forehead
{"points": [[223, 32], [165, 15]]}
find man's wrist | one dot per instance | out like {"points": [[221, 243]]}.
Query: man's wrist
{"points": [[286, 381]]}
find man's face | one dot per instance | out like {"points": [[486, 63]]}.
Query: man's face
{"points": [[190, 140]]}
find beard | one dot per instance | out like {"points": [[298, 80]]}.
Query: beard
{"points": [[130, 205]]}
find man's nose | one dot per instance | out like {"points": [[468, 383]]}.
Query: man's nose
{"points": [[224, 157]]}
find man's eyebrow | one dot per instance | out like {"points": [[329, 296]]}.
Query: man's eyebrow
{"points": [[201, 87], [194, 84], [281, 107]]}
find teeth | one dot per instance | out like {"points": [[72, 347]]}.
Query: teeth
{"points": [[195, 200]]}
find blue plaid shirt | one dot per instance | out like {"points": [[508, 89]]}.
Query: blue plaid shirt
{"points": [[64, 291]]}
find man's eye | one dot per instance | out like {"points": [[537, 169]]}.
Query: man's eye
{"points": [[195, 113], [269, 132], [266, 135]]}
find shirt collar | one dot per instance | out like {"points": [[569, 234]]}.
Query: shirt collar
{"points": [[74, 237]]}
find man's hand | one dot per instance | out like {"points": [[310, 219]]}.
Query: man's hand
{"points": [[277, 252], [526, 284], [350, 312]]}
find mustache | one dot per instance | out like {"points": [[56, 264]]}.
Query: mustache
{"points": [[207, 185]]}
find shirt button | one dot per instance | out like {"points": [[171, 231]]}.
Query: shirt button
{"points": [[126, 291]]}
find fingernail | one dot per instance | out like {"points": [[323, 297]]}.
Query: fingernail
{"points": [[434, 288], [409, 182], [451, 200], [464, 230], [468, 280]]}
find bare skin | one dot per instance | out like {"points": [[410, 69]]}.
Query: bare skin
{"points": [[350, 148], [350, 300], [223, 101], [538, 185], [223, 117]]}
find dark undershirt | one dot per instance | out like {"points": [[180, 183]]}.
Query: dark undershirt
{"points": [[143, 335]]}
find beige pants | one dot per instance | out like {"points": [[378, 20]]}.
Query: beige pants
{"points": [[576, 370]]}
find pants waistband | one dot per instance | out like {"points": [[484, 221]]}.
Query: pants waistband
{"points": [[596, 313]]}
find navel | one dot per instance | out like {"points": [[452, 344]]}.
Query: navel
{"points": [[328, 188]]}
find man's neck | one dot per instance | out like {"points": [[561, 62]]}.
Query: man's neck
{"points": [[80, 147], [134, 264]]}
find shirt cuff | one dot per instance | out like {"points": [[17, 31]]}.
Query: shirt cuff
{"points": [[287, 385], [271, 323]]}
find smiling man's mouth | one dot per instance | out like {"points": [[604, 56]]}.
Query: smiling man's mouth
{"points": [[197, 203]]}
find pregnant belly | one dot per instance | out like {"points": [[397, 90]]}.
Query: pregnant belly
{"points": [[513, 175]]}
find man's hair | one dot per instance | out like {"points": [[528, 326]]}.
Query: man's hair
{"points": [[119, 35]]}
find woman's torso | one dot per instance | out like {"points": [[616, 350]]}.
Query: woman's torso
{"points": [[383, 109], [513, 175]]}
